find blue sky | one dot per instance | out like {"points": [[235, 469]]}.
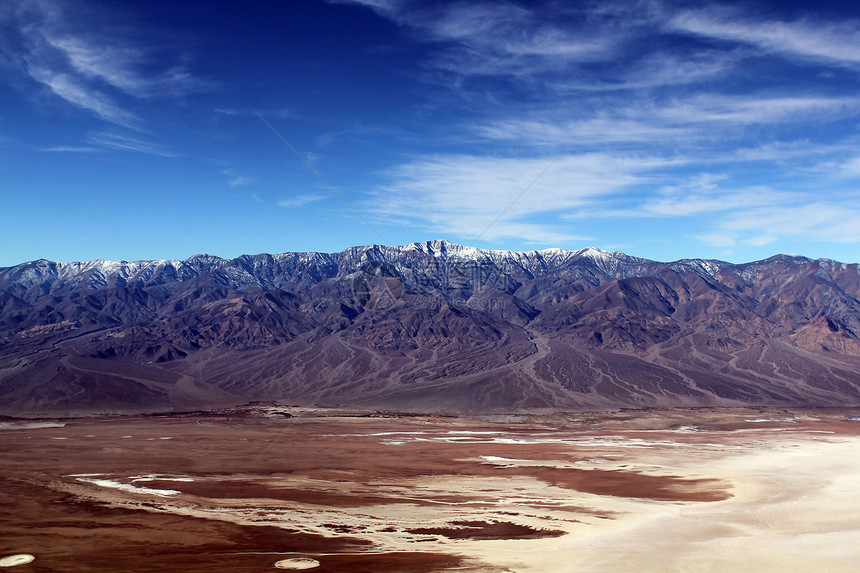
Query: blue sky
{"points": [[161, 129]]}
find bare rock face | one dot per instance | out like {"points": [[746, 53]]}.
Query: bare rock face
{"points": [[429, 326]]}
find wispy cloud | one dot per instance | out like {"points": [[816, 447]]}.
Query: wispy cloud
{"points": [[94, 72], [274, 112], [836, 44], [703, 193], [70, 149], [111, 64], [121, 65], [814, 221], [651, 122], [553, 48], [504, 39], [465, 194], [704, 196], [545, 130], [300, 200], [849, 168], [73, 91], [240, 181], [234, 179], [746, 110], [652, 85], [122, 142]]}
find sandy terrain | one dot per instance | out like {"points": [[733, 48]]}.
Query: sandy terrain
{"points": [[254, 490]]}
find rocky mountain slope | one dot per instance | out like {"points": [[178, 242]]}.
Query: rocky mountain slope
{"points": [[429, 326]]}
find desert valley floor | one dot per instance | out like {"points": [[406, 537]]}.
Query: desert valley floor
{"points": [[268, 487]]}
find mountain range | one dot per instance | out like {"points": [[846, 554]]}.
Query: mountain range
{"points": [[431, 326]]}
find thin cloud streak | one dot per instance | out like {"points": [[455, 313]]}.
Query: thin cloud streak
{"points": [[689, 120], [300, 200], [463, 194], [112, 64], [72, 91], [850, 168], [502, 38], [746, 111], [121, 142], [702, 194], [93, 74], [673, 121], [835, 44], [818, 221], [235, 179], [666, 107], [117, 66], [70, 149], [279, 113]]}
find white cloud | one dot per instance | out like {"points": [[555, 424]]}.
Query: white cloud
{"points": [[504, 39], [665, 112], [235, 179], [110, 63], [836, 44], [672, 69], [692, 120], [823, 221], [76, 93], [721, 238], [783, 151], [545, 130], [699, 194], [119, 64], [275, 112], [126, 143], [469, 196], [751, 110], [300, 200], [506, 32], [384, 7], [70, 149], [809, 221], [552, 48], [240, 181], [683, 205], [88, 70], [703, 194], [466, 194], [850, 168]]}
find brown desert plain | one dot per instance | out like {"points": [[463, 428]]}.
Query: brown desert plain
{"points": [[269, 487]]}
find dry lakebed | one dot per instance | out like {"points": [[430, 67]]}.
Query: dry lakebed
{"points": [[271, 487]]}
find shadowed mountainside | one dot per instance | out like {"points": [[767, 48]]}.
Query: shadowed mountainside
{"points": [[430, 326]]}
